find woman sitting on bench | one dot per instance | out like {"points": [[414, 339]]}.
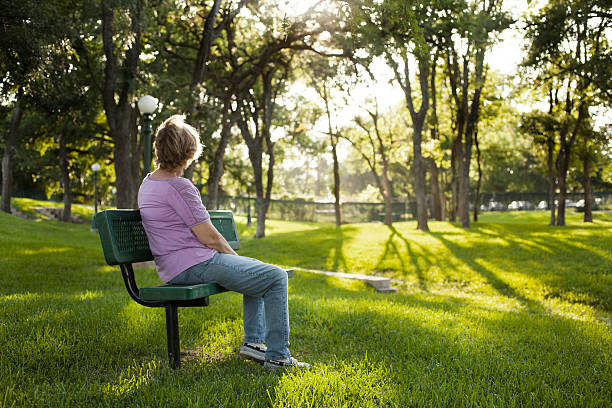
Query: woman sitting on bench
{"points": [[188, 249]]}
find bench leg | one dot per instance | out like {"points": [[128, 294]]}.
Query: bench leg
{"points": [[172, 335]]}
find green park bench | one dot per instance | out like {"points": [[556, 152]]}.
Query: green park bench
{"points": [[124, 243]]}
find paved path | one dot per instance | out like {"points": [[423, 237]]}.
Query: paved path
{"points": [[380, 283]]}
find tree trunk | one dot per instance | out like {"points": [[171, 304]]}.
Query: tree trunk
{"points": [[435, 190], [388, 196], [337, 208], [464, 188], [217, 169], [419, 180], [7, 159], [255, 146], [433, 167], [477, 192], [117, 100], [209, 34], [550, 144], [588, 189], [562, 175], [333, 140], [456, 158], [564, 156], [418, 120], [127, 159], [64, 167], [470, 130]]}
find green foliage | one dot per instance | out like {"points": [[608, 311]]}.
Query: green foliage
{"points": [[508, 314]]}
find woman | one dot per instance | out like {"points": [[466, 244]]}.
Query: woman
{"points": [[188, 249]]}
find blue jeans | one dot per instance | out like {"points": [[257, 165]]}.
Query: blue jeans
{"points": [[264, 289]]}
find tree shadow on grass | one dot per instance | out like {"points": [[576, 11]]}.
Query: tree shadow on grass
{"points": [[391, 249], [572, 266], [303, 248], [490, 277]]}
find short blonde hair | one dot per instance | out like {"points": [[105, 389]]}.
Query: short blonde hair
{"points": [[177, 143]]}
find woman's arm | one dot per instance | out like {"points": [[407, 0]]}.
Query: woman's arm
{"points": [[209, 236]]}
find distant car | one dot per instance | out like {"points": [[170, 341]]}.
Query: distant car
{"points": [[528, 205], [496, 206], [520, 205], [543, 205], [570, 204]]}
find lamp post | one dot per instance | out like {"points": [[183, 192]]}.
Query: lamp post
{"points": [[147, 105], [95, 168]]}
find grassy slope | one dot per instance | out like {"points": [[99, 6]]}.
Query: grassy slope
{"points": [[507, 314]]}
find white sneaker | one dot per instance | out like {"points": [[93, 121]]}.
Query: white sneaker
{"points": [[284, 363], [254, 351]]}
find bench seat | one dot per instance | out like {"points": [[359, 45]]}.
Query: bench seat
{"points": [[180, 292]]}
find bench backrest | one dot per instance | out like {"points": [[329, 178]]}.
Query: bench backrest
{"points": [[124, 240]]}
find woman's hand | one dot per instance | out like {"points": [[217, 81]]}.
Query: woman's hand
{"points": [[209, 236]]}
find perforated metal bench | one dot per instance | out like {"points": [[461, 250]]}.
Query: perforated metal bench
{"points": [[124, 242]]}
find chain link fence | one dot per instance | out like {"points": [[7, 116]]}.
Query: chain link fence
{"points": [[352, 212], [539, 201], [301, 210]]}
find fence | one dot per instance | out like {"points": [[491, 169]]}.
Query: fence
{"points": [[301, 210], [539, 201]]}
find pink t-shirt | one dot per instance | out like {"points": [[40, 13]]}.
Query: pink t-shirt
{"points": [[169, 208]]}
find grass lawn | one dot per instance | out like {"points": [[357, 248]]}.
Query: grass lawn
{"points": [[509, 313]]}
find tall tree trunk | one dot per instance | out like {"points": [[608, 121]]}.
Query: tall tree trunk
{"points": [[116, 94], [210, 33], [217, 169], [418, 121], [464, 190], [7, 158], [333, 140], [433, 167], [208, 36], [435, 190], [419, 179], [588, 189], [337, 208], [127, 158], [470, 129], [456, 158], [550, 145], [64, 167], [255, 146], [562, 175], [564, 156], [388, 195], [477, 192]]}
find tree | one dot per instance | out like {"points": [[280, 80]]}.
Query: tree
{"points": [[189, 42], [322, 73], [374, 143], [403, 29], [465, 43], [27, 28], [121, 27], [541, 126], [568, 48]]}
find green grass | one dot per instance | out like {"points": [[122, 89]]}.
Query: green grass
{"points": [[27, 207], [509, 313]]}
